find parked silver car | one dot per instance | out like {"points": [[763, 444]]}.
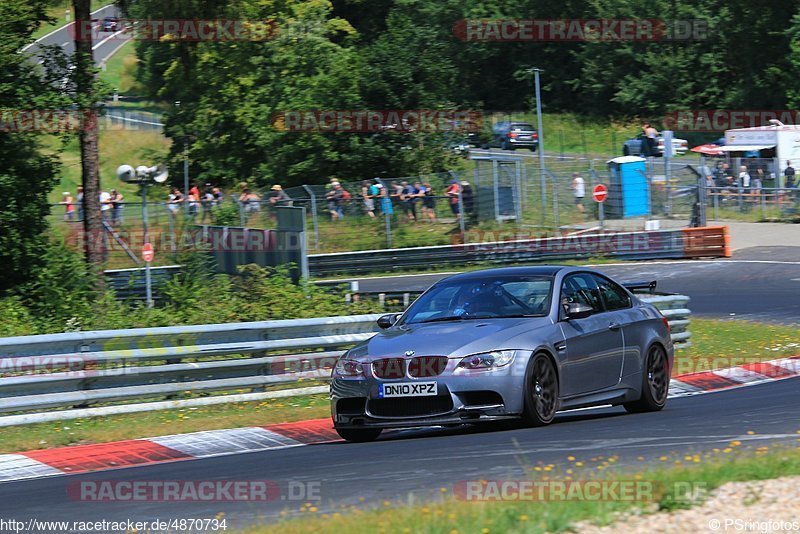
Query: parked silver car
{"points": [[509, 343]]}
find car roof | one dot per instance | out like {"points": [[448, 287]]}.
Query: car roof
{"points": [[529, 270]]}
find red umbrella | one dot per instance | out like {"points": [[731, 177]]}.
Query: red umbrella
{"points": [[708, 150]]}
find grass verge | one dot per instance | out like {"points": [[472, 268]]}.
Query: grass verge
{"points": [[672, 488], [119, 71], [727, 343], [160, 423]]}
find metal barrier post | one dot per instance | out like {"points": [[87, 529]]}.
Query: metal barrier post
{"points": [[314, 222], [716, 205]]}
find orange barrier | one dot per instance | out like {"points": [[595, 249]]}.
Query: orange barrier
{"points": [[706, 241]]}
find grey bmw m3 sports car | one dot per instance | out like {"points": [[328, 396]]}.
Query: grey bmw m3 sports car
{"points": [[509, 343]]}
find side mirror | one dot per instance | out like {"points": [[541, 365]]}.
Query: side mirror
{"points": [[385, 321], [578, 310]]}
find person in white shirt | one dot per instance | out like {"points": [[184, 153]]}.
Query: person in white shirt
{"points": [[105, 203], [744, 178], [579, 190]]}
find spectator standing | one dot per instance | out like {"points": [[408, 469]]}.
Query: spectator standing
{"points": [[579, 191], [789, 174], [250, 202], [279, 197], [650, 139], [386, 201], [193, 202], [218, 196], [409, 198], [757, 181], [69, 206], [429, 202], [452, 192], [207, 202], [368, 197], [744, 178], [337, 197], [395, 193], [105, 204], [116, 207], [376, 191], [194, 190], [175, 202]]}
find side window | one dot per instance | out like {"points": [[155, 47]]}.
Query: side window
{"points": [[615, 297], [581, 288]]}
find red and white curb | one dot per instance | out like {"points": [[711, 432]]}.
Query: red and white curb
{"points": [[748, 374], [115, 455]]}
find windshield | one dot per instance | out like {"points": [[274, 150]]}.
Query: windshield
{"points": [[511, 296]]}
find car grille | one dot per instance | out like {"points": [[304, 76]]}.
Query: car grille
{"points": [[424, 366], [389, 368], [410, 406]]}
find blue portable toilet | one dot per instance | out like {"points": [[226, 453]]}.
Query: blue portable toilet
{"points": [[628, 190]]}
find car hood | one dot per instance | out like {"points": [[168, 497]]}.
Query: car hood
{"points": [[454, 339]]}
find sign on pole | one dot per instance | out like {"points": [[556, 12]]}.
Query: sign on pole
{"points": [[147, 252], [600, 193]]}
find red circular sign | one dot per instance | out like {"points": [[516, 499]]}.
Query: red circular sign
{"points": [[599, 193], [147, 252]]}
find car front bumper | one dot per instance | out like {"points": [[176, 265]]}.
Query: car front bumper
{"points": [[487, 396]]}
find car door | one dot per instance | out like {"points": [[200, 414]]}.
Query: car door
{"points": [[618, 306], [592, 351]]}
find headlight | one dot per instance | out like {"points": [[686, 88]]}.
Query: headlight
{"points": [[488, 360], [346, 367]]}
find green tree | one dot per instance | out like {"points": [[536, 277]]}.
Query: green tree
{"points": [[26, 175]]}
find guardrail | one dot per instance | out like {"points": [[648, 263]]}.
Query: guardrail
{"points": [[60, 376], [661, 244], [712, 241]]}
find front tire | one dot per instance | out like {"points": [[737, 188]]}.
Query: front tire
{"points": [[359, 435], [655, 383], [541, 392]]}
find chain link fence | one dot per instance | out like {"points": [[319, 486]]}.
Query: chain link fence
{"points": [[498, 195]]}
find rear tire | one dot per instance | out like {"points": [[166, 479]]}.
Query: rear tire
{"points": [[655, 383], [541, 392], [359, 435]]}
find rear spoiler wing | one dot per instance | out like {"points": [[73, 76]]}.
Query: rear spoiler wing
{"points": [[641, 287]]}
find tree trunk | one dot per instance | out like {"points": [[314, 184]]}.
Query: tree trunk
{"points": [[94, 247]]}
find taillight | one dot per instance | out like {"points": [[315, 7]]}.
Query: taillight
{"points": [[535, 136], [512, 135], [666, 323]]}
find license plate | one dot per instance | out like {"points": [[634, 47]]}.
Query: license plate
{"points": [[407, 389]]}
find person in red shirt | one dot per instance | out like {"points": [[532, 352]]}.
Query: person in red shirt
{"points": [[452, 192]]}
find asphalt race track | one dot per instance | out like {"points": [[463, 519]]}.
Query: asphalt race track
{"points": [[421, 462], [760, 283], [106, 43], [415, 464]]}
